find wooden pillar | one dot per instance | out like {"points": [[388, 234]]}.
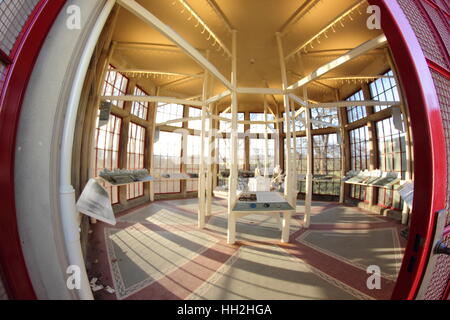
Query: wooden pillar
{"points": [[373, 146], [345, 150], [150, 138], [123, 141], [84, 140], [93, 104], [408, 133], [153, 129]]}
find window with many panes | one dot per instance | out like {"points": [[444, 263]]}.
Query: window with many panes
{"points": [[357, 112], [107, 151], [140, 109], [299, 121], [224, 153], [327, 115], [260, 128], [384, 89], [166, 159], [115, 85], [360, 157], [391, 158], [257, 154], [197, 124], [169, 111], [224, 156], [327, 162], [301, 145], [192, 160], [135, 157], [225, 126]]}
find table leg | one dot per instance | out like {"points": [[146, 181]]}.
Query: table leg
{"points": [[279, 222], [231, 234], [286, 222]]}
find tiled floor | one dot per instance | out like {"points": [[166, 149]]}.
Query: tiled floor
{"points": [[157, 252]]}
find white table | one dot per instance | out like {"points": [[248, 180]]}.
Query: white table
{"points": [[275, 201]]}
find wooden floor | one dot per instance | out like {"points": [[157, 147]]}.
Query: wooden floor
{"points": [[157, 252]]}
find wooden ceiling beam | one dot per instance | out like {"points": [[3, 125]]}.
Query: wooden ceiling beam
{"points": [[153, 99], [155, 72], [326, 29], [344, 104], [180, 81], [352, 54], [323, 85], [263, 91], [338, 52], [315, 81], [297, 15], [124, 45], [153, 21], [358, 78], [205, 27], [213, 4]]}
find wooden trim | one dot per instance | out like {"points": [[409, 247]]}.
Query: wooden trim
{"points": [[372, 192], [314, 132], [124, 139], [374, 117]]}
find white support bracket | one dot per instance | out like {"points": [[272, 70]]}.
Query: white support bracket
{"points": [[218, 97]]}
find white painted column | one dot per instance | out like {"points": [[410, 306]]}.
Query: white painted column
{"points": [[342, 145], [201, 177], [289, 174], [266, 141], [294, 150], [152, 164], [209, 173], [309, 163], [277, 140], [232, 184]]}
